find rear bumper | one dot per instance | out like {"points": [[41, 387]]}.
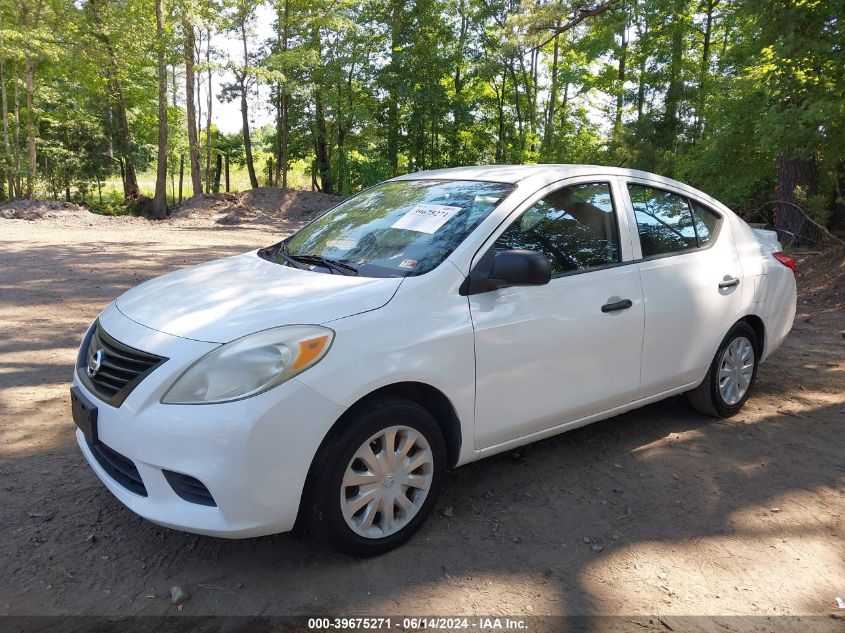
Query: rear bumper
{"points": [[782, 303]]}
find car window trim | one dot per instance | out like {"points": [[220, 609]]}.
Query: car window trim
{"points": [[615, 212], [688, 198], [548, 189], [715, 234]]}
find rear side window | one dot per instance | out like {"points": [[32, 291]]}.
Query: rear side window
{"points": [[575, 227], [706, 223], [664, 220]]}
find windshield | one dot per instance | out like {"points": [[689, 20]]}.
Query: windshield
{"points": [[395, 229]]}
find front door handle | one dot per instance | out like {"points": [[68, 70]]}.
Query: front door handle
{"points": [[624, 304], [729, 282]]}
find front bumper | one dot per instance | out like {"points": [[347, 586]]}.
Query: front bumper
{"points": [[253, 455]]}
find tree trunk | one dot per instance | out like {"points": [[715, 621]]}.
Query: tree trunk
{"points": [[18, 189], [837, 220], [500, 111], [209, 101], [797, 180], [173, 85], [181, 174], [6, 145], [197, 92], [30, 124], [159, 205], [459, 108], [285, 106], [669, 126], [705, 68], [620, 87], [396, 13], [320, 141], [323, 162], [250, 166], [641, 66], [242, 79], [193, 142], [517, 108], [548, 128], [30, 14], [226, 159], [127, 164], [130, 178]]}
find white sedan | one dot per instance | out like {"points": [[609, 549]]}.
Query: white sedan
{"points": [[330, 380]]}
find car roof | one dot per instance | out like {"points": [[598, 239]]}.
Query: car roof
{"points": [[514, 173], [549, 173]]}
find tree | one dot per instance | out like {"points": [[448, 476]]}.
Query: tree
{"points": [[101, 19], [362, 91], [242, 13], [796, 63], [159, 205], [190, 93]]}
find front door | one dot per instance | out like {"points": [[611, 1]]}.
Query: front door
{"points": [[548, 355]]}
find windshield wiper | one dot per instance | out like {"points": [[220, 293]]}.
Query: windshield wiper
{"points": [[285, 255], [331, 264]]}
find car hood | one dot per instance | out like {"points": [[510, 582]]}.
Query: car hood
{"points": [[225, 299]]}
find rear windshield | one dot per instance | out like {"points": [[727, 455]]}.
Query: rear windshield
{"points": [[395, 229]]}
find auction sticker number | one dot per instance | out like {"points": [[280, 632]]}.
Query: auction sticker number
{"points": [[426, 218]]}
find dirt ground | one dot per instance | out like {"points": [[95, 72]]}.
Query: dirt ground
{"points": [[658, 512]]}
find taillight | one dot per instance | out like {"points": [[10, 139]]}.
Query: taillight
{"points": [[785, 259]]}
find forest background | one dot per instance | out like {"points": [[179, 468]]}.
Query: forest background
{"points": [[112, 103]]}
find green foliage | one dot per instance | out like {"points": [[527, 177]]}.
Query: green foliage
{"points": [[713, 92]]}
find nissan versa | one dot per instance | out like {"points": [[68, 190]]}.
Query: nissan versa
{"points": [[331, 379]]}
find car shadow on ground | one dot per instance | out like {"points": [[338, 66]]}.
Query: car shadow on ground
{"points": [[534, 531]]}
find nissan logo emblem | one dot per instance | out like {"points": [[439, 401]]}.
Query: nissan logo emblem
{"points": [[95, 363]]}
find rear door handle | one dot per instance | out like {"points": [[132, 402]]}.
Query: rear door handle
{"points": [[729, 282], [617, 305]]}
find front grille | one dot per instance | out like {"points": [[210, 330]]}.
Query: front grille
{"points": [[120, 468], [121, 367], [188, 488]]}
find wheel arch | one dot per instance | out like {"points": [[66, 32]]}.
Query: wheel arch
{"points": [[430, 398], [759, 328]]}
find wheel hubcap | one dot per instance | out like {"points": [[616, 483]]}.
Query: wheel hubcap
{"points": [[735, 370], [386, 482]]}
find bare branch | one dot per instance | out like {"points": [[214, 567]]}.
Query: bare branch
{"points": [[807, 218], [575, 20]]}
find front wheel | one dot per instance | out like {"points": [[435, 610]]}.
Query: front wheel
{"points": [[731, 375], [377, 482]]}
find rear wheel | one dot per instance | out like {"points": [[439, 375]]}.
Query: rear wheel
{"points": [[731, 375], [378, 481]]}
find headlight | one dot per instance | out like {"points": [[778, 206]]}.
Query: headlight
{"points": [[251, 365]]}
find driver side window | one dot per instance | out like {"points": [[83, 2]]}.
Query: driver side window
{"points": [[575, 227]]}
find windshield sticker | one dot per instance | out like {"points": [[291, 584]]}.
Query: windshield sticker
{"points": [[426, 218], [341, 244], [408, 263]]}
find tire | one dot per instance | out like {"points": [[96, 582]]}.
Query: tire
{"points": [[718, 400], [394, 502]]}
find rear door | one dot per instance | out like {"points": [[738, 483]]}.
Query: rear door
{"points": [[691, 279], [547, 355]]}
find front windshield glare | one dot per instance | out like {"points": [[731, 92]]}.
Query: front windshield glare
{"points": [[398, 228]]}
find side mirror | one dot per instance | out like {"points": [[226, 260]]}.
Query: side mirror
{"points": [[508, 268]]}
